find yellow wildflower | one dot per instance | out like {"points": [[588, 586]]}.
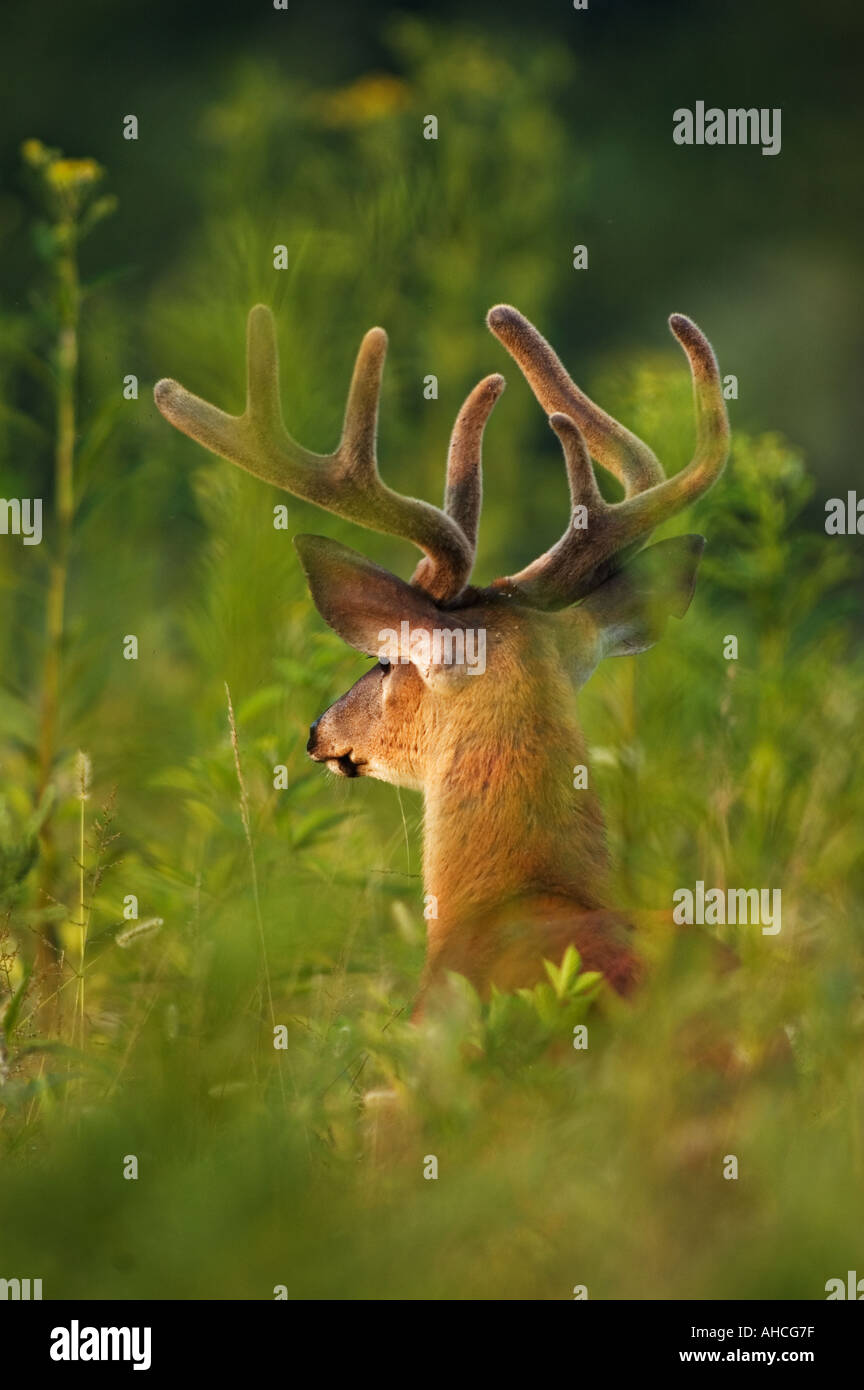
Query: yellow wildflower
{"points": [[370, 98], [36, 154], [67, 174]]}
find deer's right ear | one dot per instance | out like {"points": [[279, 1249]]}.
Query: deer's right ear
{"points": [[357, 598], [627, 613]]}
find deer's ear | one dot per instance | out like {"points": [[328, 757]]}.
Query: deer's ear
{"points": [[627, 614], [632, 608], [357, 598], [378, 613]]}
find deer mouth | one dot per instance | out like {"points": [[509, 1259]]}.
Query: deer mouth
{"points": [[345, 766]]}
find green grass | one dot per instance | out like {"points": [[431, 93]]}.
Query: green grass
{"points": [[259, 1167]]}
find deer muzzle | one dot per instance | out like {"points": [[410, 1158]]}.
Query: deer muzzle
{"points": [[342, 763]]}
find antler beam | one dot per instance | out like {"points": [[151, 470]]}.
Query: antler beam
{"points": [[587, 553], [346, 482]]}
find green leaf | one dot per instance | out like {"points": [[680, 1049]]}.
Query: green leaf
{"points": [[61, 1049], [44, 241], [16, 861], [16, 1094], [263, 699], [563, 975], [98, 210], [587, 981], [17, 719], [13, 1008], [311, 827]]}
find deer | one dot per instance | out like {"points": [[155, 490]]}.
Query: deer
{"points": [[515, 862]]}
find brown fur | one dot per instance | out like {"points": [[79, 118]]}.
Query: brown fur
{"points": [[514, 856]]}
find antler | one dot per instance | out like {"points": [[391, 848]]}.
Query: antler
{"points": [[586, 555], [347, 482], [463, 494]]}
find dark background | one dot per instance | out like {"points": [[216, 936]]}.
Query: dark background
{"points": [[767, 248], [262, 1168]]}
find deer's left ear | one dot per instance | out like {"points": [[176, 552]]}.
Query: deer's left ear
{"points": [[375, 611], [357, 598], [627, 614]]}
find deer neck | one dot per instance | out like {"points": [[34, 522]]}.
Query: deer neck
{"points": [[504, 824]]}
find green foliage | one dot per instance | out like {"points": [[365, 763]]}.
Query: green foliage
{"points": [[557, 1165]]}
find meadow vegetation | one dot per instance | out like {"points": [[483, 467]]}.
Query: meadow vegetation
{"points": [[302, 906]]}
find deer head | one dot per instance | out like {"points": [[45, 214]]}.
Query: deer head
{"points": [[470, 699]]}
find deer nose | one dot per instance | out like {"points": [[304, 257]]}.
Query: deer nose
{"points": [[313, 736]]}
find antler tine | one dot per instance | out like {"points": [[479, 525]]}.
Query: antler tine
{"points": [[623, 454], [345, 482], [463, 494], [647, 510], [594, 543]]}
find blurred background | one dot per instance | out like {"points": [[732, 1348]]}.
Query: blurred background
{"points": [[118, 778]]}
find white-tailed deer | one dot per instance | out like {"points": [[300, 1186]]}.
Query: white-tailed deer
{"points": [[514, 859]]}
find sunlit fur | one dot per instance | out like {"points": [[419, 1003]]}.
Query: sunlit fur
{"points": [[514, 856]]}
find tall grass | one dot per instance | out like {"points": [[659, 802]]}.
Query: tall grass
{"points": [[557, 1167]]}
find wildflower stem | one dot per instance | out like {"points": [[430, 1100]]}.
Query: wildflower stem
{"points": [[68, 306], [64, 491], [247, 830], [82, 919]]}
